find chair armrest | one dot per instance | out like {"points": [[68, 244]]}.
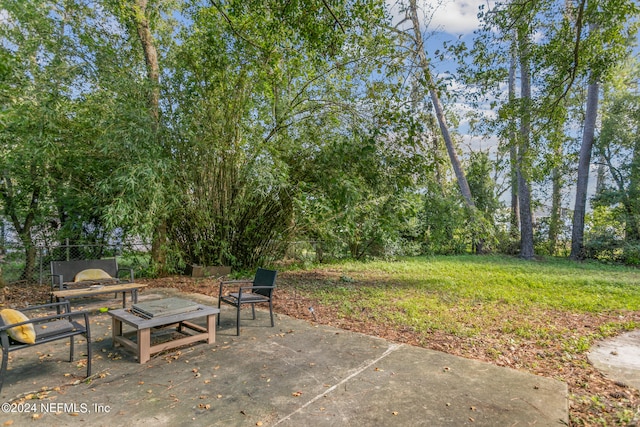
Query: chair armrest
{"points": [[58, 305], [59, 278], [232, 282], [249, 289], [236, 281], [83, 313]]}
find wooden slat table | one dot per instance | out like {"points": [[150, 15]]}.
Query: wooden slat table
{"points": [[132, 288], [143, 347]]}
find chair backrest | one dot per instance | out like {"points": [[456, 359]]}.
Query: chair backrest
{"points": [[69, 269], [265, 277]]}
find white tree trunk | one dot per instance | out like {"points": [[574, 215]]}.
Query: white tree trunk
{"points": [[524, 192], [513, 151], [588, 135], [437, 105]]}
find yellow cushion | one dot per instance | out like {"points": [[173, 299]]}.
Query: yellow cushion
{"points": [[24, 333], [91, 274]]}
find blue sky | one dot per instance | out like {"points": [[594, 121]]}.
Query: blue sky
{"points": [[448, 20]]}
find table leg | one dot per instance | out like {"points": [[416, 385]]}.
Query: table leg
{"points": [[116, 330], [211, 329], [144, 345]]}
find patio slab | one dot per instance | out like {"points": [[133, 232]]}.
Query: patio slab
{"points": [[619, 358], [296, 374]]}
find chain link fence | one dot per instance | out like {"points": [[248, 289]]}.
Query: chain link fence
{"points": [[34, 266], [13, 257]]}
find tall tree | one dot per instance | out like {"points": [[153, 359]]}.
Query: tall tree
{"points": [[557, 181], [605, 44], [141, 20], [255, 84], [556, 71], [514, 213], [41, 71], [584, 166], [432, 88], [524, 137]]}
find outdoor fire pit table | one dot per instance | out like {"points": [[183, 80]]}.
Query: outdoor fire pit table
{"points": [[164, 315]]}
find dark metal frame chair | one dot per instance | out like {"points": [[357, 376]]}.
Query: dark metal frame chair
{"points": [[260, 291], [59, 326]]}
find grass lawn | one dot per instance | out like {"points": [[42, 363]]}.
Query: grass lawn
{"points": [[540, 316]]}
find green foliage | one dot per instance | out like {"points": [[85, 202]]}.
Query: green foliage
{"points": [[615, 232], [259, 92], [357, 192], [479, 175], [564, 46], [57, 117], [276, 120], [443, 221], [50, 164]]}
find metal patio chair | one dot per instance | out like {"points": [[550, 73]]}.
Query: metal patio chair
{"points": [[259, 290]]}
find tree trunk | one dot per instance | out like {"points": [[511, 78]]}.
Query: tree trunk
{"points": [[437, 105], [557, 183], [526, 218], [601, 179], [24, 232], [514, 219], [28, 273], [524, 192], [554, 220], [577, 233], [158, 249], [150, 58]]}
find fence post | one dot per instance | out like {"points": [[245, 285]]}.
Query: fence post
{"points": [[66, 241], [40, 256]]}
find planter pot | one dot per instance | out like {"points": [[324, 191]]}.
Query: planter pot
{"points": [[207, 271]]}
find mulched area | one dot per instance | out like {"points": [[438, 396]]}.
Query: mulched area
{"points": [[593, 399]]}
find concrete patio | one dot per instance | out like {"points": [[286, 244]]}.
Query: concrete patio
{"points": [[296, 374]]}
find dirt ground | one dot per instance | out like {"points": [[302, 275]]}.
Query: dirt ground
{"points": [[593, 399]]}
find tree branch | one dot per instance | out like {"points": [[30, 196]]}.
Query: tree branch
{"points": [[335, 18]]}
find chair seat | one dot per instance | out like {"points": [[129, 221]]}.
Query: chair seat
{"points": [[45, 330], [86, 283], [259, 291], [246, 297]]}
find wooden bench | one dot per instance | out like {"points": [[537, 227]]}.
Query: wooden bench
{"points": [[66, 284], [63, 273], [132, 288]]}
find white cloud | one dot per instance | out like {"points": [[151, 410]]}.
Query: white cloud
{"points": [[455, 16], [448, 16]]}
